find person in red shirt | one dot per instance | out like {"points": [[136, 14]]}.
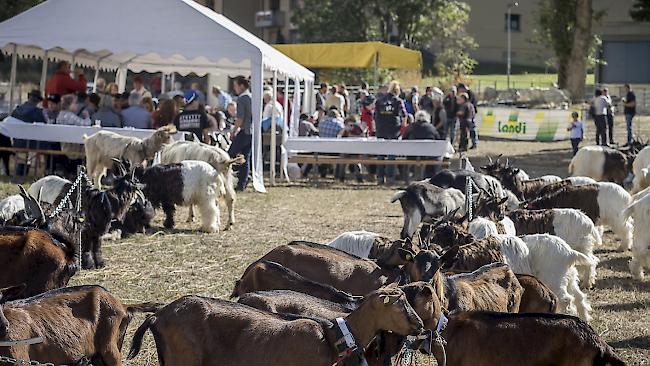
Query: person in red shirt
{"points": [[367, 114], [62, 84]]}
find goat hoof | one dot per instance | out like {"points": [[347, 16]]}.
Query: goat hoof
{"points": [[87, 261], [99, 261]]}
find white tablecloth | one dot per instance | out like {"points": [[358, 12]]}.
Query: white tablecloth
{"points": [[18, 129], [370, 146]]}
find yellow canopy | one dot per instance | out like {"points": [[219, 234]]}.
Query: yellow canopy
{"points": [[352, 55]]}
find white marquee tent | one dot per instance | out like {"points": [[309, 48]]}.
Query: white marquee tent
{"points": [[154, 36]]}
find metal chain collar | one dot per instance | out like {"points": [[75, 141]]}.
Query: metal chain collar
{"points": [[66, 199], [13, 361]]}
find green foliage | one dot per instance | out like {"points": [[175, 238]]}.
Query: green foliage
{"points": [[641, 11], [10, 8], [331, 21], [451, 42]]}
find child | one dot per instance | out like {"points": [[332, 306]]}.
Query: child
{"points": [[575, 132]]}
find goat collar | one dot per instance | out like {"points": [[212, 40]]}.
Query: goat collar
{"points": [[348, 351]]}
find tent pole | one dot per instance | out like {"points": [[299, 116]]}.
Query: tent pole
{"points": [[172, 82], [375, 71], [285, 130], [162, 83], [96, 77], [257, 81], [274, 100], [44, 73], [12, 77]]}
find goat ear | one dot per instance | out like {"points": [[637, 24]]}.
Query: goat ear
{"points": [[502, 200], [12, 292], [406, 255], [427, 290], [450, 256]]}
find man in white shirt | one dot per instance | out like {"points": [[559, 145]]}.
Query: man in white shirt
{"points": [[609, 115], [600, 106], [267, 113], [138, 87], [335, 99]]}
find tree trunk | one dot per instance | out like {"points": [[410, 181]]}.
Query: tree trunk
{"points": [[576, 65]]}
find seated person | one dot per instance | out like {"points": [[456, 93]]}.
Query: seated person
{"points": [[29, 111], [267, 115], [423, 129], [136, 116], [106, 114]]}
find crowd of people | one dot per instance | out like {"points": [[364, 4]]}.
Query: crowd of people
{"points": [[602, 112]]}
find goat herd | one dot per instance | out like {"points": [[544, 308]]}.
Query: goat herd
{"points": [[468, 287]]}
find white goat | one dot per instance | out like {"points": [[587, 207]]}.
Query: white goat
{"points": [[216, 157], [600, 163], [642, 161], [513, 202], [103, 146], [51, 187], [549, 178], [481, 228], [639, 210], [579, 181], [552, 261], [11, 205], [357, 243]]}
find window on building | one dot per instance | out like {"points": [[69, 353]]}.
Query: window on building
{"points": [[274, 5], [515, 22]]}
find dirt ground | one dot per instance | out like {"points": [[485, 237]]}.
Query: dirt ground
{"points": [[163, 265]]}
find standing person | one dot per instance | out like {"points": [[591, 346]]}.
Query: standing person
{"points": [[243, 130], [426, 102], [575, 132], [280, 99], [368, 115], [92, 105], [138, 87], [100, 86], [223, 98], [630, 111], [343, 91], [112, 89], [321, 95], [412, 102], [199, 94], [599, 104], [193, 119], [439, 115], [62, 84], [136, 116], [465, 117], [165, 115], [335, 99], [451, 109], [462, 88], [390, 116], [609, 116]]}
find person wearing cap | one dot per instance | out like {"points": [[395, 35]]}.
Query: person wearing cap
{"points": [[29, 111], [136, 116], [465, 116], [321, 95], [61, 83], [451, 109], [368, 114], [243, 130], [193, 119], [53, 108], [138, 87], [575, 132], [223, 98]]}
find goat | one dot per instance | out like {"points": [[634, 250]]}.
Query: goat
{"points": [[422, 200], [52, 189], [365, 244], [481, 228], [640, 212], [494, 168], [524, 189], [292, 302], [600, 163], [458, 179], [641, 162], [265, 276], [137, 219], [193, 182], [221, 332], [548, 258], [76, 323], [216, 157], [10, 206], [104, 146], [220, 140], [489, 338], [603, 203]]}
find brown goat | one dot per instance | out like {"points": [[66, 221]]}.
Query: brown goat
{"points": [[492, 287], [34, 258], [584, 198], [533, 221], [292, 302], [75, 323], [552, 187], [264, 276], [488, 338], [330, 266], [537, 297], [202, 331]]}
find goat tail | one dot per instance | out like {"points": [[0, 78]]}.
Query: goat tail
{"points": [[608, 358], [235, 290], [136, 343], [397, 196], [237, 160], [580, 258], [571, 166], [145, 307]]}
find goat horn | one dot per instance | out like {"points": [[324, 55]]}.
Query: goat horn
{"points": [[489, 159]]}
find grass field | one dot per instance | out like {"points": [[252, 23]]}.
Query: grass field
{"points": [[163, 265], [480, 82]]}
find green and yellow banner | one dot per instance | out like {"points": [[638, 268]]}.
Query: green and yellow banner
{"points": [[524, 124]]}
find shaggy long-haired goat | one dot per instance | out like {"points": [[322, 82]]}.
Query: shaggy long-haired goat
{"points": [[104, 146]]}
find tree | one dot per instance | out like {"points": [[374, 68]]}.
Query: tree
{"points": [[410, 18], [331, 21], [10, 8], [452, 44], [566, 27], [641, 11]]}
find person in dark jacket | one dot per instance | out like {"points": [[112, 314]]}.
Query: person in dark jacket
{"points": [[28, 112], [390, 114], [423, 129], [462, 88], [451, 108], [465, 116]]}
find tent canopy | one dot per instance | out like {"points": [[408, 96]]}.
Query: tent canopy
{"points": [[352, 55], [151, 35]]}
